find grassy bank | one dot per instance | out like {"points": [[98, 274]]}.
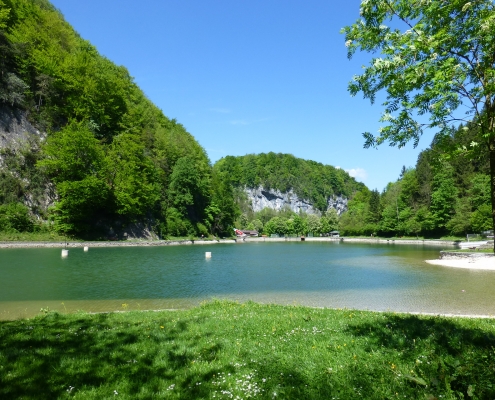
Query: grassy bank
{"points": [[226, 350], [33, 237]]}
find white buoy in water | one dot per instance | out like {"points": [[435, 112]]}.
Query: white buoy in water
{"points": [[86, 248], [208, 254], [65, 253]]}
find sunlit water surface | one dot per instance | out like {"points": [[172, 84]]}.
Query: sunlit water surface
{"points": [[328, 274]]}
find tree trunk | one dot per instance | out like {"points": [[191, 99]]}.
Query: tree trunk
{"points": [[491, 149]]}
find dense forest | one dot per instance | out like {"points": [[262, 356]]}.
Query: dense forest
{"points": [[309, 180], [108, 159], [446, 193], [111, 158]]}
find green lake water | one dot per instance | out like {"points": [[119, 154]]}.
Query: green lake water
{"points": [[321, 274]]}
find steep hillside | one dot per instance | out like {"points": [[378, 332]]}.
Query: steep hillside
{"points": [[75, 125]]}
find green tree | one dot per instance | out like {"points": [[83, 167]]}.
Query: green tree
{"points": [[4, 14], [74, 159], [15, 216], [390, 217], [189, 190], [352, 221], [444, 196], [256, 225], [132, 177], [460, 223], [222, 211], [374, 207], [299, 225], [480, 218], [72, 153], [289, 228], [330, 221], [81, 205], [435, 56], [479, 193], [276, 225], [313, 224]]}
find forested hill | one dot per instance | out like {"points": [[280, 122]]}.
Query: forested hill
{"points": [[310, 180], [111, 157], [446, 193]]}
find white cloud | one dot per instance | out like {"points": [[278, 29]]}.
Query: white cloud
{"points": [[247, 122], [358, 173], [239, 122]]}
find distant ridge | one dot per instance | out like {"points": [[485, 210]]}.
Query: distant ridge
{"points": [[309, 180]]}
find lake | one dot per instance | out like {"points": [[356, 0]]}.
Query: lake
{"points": [[319, 274]]}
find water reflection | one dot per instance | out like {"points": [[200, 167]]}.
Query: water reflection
{"points": [[375, 277]]}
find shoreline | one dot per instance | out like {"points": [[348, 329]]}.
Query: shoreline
{"points": [[147, 243], [474, 261], [450, 315]]}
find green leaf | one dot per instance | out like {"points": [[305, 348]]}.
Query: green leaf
{"points": [[419, 381]]}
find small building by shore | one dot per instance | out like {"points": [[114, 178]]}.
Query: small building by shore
{"points": [[250, 233]]}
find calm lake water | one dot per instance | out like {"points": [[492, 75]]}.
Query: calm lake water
{"points": [[325, 274]]}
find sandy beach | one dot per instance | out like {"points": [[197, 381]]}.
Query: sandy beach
{"points": [[487, 263]]}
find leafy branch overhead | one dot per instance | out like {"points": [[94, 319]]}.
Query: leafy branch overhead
{"points": [[436, 59]]}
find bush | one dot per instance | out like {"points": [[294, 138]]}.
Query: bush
{"points": [[202, 230], [15, 217]]}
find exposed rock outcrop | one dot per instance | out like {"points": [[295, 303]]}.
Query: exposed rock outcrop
{"points": [[261, 198], [20, 138], [15, 129]]}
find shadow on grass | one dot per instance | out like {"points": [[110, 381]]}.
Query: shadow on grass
{"points": [[438, 355], [43, 358], [138, 356]]}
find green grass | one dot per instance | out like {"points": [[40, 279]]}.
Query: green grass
{"points": [[33, 237], [446, 238], [55, 237], [225, 350], [471, 250]]}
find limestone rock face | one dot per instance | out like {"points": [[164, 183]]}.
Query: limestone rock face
{"points": [[17, 133], [337, 202], [15, 129], [261, 198]]}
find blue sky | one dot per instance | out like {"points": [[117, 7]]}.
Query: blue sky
{"points": [[249, 76]]}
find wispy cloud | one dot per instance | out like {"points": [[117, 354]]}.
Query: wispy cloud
{"points": [[246, 122], [358, 173], [239, 122], [220, 110]]}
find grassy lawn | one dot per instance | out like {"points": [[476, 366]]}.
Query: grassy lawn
{"points": [[226, 350], [471, 250], [446, 238], [33, 237]]}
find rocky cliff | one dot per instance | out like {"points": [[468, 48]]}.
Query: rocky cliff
{"points": [[15, 129], [261, 198], [19, 148]]}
